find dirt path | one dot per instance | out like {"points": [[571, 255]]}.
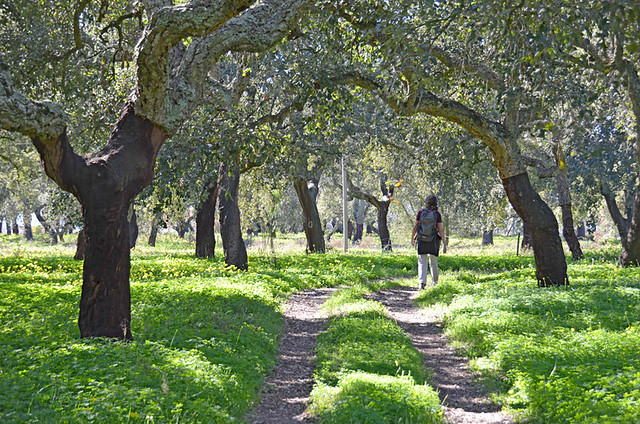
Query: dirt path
{"points": [[287, 390], [464, 403]]}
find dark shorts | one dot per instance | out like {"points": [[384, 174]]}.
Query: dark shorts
{"points": [[431, 248]]}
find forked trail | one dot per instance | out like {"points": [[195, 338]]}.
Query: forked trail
{"points": [[287, 390], [464, 402]]}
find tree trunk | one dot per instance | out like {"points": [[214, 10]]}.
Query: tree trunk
{"points": [[630, 255], [205, 223], [105, 303], [307, 192], [105, 183], [47, 228], [81, 246], [334, 228], [526, 238], [16, 230], [487, 237], [568, 232], [182, 227], [564, 199], [133, 228], [9, 226], [383, 228], [359, 214], [28, 231], [235, 252], [551, 266], [153, 235], [382, 208], [620, 221]]}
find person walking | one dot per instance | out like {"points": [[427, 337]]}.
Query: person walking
{"points": [[428, 233]]}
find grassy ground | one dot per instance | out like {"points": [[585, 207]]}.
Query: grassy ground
{"points": [[367, 369], [554, 355], [205, 335]]}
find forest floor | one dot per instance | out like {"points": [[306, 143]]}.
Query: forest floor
{"points": [[287, 390]]}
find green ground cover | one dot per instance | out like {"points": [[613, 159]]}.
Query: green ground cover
{"points": [[367, 369], [560, 355], [204, 334]]}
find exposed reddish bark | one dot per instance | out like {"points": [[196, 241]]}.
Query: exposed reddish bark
{"points": [[105, 183]]}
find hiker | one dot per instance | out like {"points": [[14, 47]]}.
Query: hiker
{"points": [[428, 232]]}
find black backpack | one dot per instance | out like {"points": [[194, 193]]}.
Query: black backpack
{"points": [[427, 230]]}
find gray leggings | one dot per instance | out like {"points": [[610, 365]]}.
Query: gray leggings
{"points": [[423, 263]]}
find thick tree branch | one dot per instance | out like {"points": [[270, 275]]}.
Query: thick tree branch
{"points": [[471, 66], [233, 29], [493, 134], [168, 26], [45, 120], [544, 170]]}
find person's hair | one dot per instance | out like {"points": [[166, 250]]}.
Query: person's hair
{"points": [[431, 202]]}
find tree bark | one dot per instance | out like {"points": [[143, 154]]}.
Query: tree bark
{"points": [[334, 228], [133, 228], [526, 238], [359, 214], [205, 223], [183, 227], [383, 227], [105, 183], [153, 234], [81, 246], [487, 237], [49, 229], [564, 199], [235, 252], [382, 208], [551, 266], [307, 192], [630, 255], [28, 231], [622, 223]]}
